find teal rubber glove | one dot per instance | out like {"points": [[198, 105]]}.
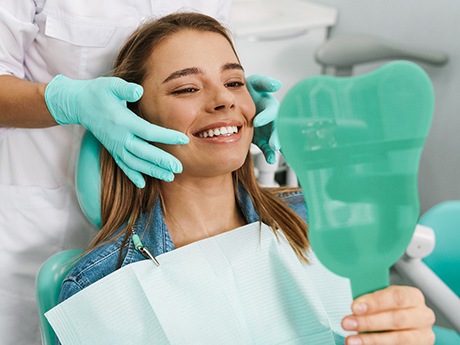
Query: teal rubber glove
{"points": [[261, 88], [99, 105]]}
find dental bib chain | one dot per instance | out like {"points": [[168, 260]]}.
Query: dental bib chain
{"points": [[143, 250]]}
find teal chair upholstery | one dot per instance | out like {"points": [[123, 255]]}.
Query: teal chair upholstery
{"points": [[444, 219], [53, 271], [48, 287], [446, 336]]}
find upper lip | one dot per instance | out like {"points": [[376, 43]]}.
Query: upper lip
{"points": [[218, 125]]}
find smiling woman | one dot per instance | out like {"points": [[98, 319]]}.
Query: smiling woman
{"points": [[200, 93], [194, 83], [249, 245]]}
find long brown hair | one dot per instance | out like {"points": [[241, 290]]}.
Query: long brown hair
{"points": [[122, 202]]}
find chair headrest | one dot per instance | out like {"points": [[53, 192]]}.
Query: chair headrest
{"points": [[88, 179]]}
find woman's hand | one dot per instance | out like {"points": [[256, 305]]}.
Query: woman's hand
{"points": [[397, 315]]}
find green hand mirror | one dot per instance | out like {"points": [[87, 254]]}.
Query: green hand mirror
{"points": [[355, 145]]}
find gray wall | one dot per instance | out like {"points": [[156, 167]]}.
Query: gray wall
{"points": [[434, 25]]}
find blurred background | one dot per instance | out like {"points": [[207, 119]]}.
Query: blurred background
{"points": [[287, 34]]}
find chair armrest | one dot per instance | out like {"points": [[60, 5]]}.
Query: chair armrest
{"points": [[411, 267]]}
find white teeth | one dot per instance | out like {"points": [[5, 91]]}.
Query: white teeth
{"points": [[221, 131]]}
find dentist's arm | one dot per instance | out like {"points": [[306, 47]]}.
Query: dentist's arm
{"points": [[395, 315], [22, 104], [99, 105]]}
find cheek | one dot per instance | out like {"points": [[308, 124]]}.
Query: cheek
{"points": [[248, 107], [174, 115]]}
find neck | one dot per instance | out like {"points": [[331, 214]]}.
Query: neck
{"points": [[200, 208]]}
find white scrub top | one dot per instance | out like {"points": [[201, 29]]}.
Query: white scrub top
{"points": [[39, 212]]}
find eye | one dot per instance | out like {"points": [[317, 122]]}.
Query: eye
{"points": [[184, 91], [234, 84]]}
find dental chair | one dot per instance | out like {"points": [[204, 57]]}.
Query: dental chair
{"points": [[54, 269], [432, 264], [340, 54], [48, 287], [443, 259], [444, 219]]}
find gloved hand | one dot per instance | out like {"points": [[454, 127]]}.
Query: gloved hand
{"points": [[99, 105], [260, 87]]}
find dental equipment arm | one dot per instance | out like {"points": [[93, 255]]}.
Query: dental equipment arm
{"points": [[411, 267]]}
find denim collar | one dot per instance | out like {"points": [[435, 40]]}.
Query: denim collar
{"points": [[152, 229]]}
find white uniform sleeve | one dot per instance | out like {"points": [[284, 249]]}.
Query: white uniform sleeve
{"points": [[17, 32]]}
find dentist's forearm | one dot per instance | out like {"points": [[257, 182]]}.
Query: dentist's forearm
{"points": [[22, 104]]}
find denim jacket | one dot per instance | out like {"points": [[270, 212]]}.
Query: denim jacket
{"points": [[155, 236]]}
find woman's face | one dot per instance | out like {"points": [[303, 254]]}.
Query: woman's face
{"points": [[196, 85]]}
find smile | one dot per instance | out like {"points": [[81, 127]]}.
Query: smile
{"points": [[220, 131]]}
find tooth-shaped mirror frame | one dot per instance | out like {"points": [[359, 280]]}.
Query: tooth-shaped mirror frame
{"points": [[355, 145]]}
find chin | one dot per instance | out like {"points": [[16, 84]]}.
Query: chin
{"points": [[216, 167]]}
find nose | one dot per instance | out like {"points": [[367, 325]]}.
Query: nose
{"points": [[222, 99]]}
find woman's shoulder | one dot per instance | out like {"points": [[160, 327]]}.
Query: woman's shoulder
{"points": [[294, 198], [289, 194], [95, 265]]}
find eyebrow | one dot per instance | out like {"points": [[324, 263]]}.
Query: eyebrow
{"points": [[195, 70], [183, 73], [230, 66]]}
